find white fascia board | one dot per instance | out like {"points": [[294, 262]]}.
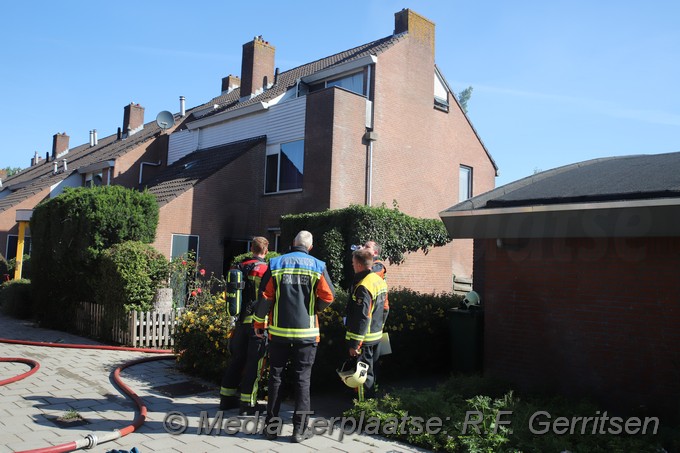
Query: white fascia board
{"points": [[623, 204], [228, 115], [340, 69], [97, 166]]}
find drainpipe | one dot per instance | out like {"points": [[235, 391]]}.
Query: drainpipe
{"points": [[369, 173], [141, 167], [370, 137]]}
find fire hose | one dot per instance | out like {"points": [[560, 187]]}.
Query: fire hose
{"points": [[91, 440]]}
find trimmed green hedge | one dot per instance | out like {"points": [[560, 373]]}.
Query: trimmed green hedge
{"points": [[68, 234], [418, 326], [336, 230], [15, 298], [130, 274]]}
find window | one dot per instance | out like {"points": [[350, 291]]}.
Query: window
{"points": [[11, 250], [465, 183], [353, 82], [275, 237], [94, 179], [284, 167], [441, 93], [183, 244]]}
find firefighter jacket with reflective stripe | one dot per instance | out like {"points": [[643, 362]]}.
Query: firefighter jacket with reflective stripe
{"points": [[367, 310], [294, 289], [253, 270], [379, 268]]}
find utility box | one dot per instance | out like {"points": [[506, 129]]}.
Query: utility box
{"points": [[466, 327]]}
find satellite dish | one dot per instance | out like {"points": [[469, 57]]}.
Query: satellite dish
{"points": [[165, 120]]}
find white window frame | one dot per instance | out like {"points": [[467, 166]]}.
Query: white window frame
{"points": [[468, 192], [172, 242], [7, 257], [276, 150]]}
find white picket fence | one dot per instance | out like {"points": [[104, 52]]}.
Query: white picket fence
{"points": [[150, 329]]}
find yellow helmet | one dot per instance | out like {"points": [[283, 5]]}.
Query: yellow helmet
{"points": [[353, 373]]}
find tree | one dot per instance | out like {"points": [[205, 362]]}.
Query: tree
{"points": [[464, 97], [11, 170]]}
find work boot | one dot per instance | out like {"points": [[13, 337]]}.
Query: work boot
{"points": [[301, 435], [270, 431], [228, 402], [247, 409]]}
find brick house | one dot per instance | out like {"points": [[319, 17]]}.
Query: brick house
{"points": [[374, 124], [127, 159], [370, 125], [577, 269]]}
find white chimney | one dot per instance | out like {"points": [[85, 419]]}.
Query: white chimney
{"points": [[65, 166], [56, 168], [182, 109], [94, 137], [91, 138]]}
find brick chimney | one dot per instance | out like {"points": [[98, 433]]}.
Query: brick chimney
{"points": [[417, 26], [257, 66], [59, 144], [133, 119], [230, 83]]}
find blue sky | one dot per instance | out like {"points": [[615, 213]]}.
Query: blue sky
{"points": [[554, 82]]}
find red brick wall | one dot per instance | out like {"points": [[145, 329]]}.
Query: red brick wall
{"points": [[348, 172], [418, 154], [594, 317], [8, 224], [127, 167], [257, 66], [227, 205]]}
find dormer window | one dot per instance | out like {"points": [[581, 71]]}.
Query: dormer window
{"points": [[94, 179], [352, 82]]}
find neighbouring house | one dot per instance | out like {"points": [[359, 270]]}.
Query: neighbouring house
{"points": [[375, 124], [577, 269], [127, 158]]}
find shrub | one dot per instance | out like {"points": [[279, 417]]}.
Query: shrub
{"points": [[335, 230], [201, 339], [68, 234], [463, 398], [15, 298], [4, 267], [415, 322], [129, 275], [25, 267], [419, 331]]}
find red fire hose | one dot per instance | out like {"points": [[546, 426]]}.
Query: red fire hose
{"points": [[91, 440]]}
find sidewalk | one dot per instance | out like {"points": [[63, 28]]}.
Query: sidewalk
{"points": [[80, 379]]}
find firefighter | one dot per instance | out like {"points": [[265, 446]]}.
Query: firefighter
{"points": [[294, 289], [367, 312], [247, 350], [378, 266]]}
